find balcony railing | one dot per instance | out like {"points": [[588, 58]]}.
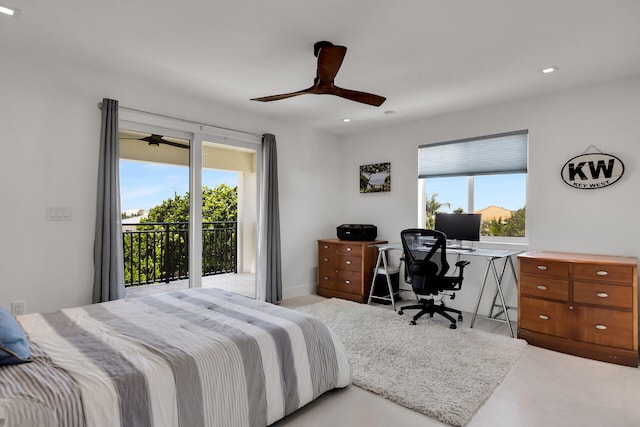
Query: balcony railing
{"points": [[157, 252]]}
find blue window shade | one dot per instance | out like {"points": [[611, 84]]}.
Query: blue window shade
{"points": [[485, 155]]}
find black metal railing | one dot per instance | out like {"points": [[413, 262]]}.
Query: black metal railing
{"points": [[157, 252]]}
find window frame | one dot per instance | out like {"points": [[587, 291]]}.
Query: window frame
{"points": [[471, 188]]}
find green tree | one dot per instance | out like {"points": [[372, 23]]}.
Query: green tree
{"points": [[158, 248], [433, 206], [514, 226]]}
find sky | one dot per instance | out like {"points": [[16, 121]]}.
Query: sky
{"points": [[506, 191], [144, 185]]}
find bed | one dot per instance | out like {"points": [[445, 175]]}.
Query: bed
{"points": [[197, 357]]}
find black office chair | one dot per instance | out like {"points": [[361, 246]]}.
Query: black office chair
{"points": [[425, 266]]}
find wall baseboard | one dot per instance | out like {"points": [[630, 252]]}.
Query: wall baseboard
{"points": [[300, 290]]}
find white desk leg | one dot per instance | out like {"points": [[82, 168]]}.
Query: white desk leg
{"points": [[495, 295], [375, 272], [504, 305], [386, 273], [484, 283]]}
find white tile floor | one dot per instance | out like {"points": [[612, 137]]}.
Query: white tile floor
{"points": [[543, 389]]}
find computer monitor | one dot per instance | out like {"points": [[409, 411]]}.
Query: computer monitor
{"points": [[459, 226]]}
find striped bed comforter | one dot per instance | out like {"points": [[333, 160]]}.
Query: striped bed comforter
{"points": [[199, 357]]}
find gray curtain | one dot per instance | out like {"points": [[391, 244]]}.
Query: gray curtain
{"points": [[108, 259], [269, 273]]}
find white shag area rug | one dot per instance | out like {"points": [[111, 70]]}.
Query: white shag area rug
{"points": [[446, 374]]}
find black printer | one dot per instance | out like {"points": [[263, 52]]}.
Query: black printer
{"points": [[362, 232]]}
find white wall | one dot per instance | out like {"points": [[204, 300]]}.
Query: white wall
{"points": [[49, 132], [561, 126]]}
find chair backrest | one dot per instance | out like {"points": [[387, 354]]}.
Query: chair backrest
{"points": [[424, 251]]}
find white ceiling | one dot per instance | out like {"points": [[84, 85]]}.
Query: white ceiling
{"points": [[428, 57]]}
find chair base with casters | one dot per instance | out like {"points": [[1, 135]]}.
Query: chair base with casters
{"points": [[430, 307]]}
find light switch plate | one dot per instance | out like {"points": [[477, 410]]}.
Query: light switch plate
{"points": [[59, 213]]}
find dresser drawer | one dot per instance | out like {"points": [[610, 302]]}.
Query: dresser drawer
{"points": [[348, 249], [349, 262], [544, 287], [613, 328], [544, 267], [327, 278], [544, 316], [349, 282], [327, 260], [604, 272], [326, 247], [619, 296]]}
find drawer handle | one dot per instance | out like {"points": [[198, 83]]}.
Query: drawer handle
{"points": [[348, 262], [543, 267], [602, 295], [542, 287], [601, 327], [326, 259], [326, 246], [326, 278], [543, 316], [348, 249], [348, 282], [601, 273]]}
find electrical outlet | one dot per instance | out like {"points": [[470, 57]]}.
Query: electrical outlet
{"points": [[17, 308]]}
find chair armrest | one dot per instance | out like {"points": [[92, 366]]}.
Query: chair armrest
{"points": [[462, 263]]}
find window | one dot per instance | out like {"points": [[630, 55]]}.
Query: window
{"points": [[485, 175]]}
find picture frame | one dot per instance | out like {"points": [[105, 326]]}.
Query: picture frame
{"points": [[375, 178]]}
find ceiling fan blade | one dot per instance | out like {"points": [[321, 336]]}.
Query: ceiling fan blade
{"points": [[156, 140], [354, 95], [174, 144], [329, 61], [283, 95]]}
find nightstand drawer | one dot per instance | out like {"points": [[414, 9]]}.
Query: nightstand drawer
{"points": [[544, 267], [604, 294], [608, 273], [544, 287]]}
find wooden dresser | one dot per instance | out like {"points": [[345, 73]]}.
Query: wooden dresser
{"points": [[345, 268], [585, 305]]}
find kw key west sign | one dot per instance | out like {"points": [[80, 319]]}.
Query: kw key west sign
{"points": [[589, 171]]}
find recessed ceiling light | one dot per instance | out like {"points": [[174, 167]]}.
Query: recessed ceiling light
{"points": [[8, 10], [346, 120], [549, 70]]}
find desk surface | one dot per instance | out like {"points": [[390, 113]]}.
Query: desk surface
{"points": [[484, 252]]}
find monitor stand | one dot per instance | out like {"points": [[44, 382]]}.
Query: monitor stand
{"points": [[457, 244]]}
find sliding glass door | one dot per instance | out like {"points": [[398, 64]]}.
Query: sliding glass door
{"points": [[189, 210]]}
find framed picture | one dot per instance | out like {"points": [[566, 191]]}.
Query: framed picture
{"points": [[375, 178]]}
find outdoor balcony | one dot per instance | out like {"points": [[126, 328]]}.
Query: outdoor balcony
{"points": [[156, 258]]}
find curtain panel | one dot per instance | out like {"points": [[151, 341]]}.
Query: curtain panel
{"points": [[108, 257], [269, 272]]}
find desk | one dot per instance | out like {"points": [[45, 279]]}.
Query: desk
{"points": [[491, 255]]}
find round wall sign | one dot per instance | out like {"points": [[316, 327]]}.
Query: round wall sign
{"points": [[592, 170]]}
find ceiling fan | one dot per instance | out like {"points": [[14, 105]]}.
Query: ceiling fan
{"points": [[156, 140], [330, 58]]}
